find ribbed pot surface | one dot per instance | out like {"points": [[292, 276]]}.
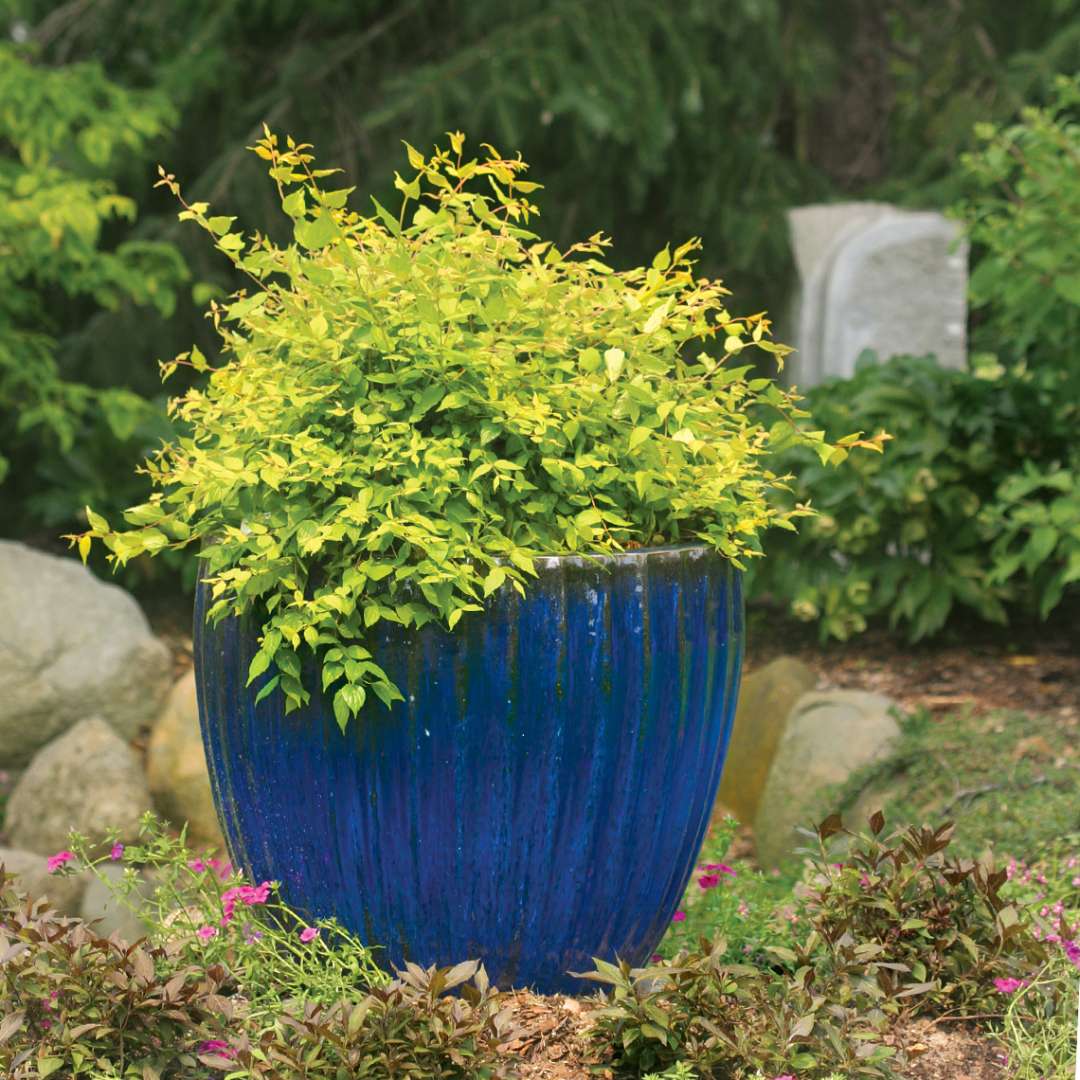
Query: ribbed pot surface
{"points": [[537, 800]]}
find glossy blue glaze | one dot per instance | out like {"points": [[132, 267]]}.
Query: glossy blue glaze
{"points": [[538, 799]]}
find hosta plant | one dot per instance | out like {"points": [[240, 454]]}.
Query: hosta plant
{"points": [[410, 406]]}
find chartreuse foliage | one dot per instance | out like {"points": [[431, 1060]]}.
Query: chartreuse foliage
{"points": [[412, 406]]}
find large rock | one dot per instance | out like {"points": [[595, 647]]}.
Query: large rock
{"points": [[89, 780], [31, 872], [874, 276], [766, 699], [70, 646], [176, 767], [108, 913], [828, 737]]}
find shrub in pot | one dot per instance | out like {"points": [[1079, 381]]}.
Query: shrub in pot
{"points": [[471, 512]]}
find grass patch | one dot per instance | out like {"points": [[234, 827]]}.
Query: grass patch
{"points": [[1008, 779]]}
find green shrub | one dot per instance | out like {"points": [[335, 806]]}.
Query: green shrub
{"points": [[940, 924], [229, 980], [212, 917], [74, 1004], [1023, 218], [67, 137], [412, 406], [896, 929], [973, 505], [729, 1019]]}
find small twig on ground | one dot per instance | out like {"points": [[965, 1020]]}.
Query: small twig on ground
{"points": [[985, 789]]}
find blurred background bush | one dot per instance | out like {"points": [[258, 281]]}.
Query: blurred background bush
{"points": [[649, 120]]}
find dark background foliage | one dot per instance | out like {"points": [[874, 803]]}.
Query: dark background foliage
{"points": [[650, 119]]}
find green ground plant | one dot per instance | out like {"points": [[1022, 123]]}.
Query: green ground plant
{"points": [[228, 982], [733, 899], [412, 406], [888, 926], [213, 917], [1039, 1025]]}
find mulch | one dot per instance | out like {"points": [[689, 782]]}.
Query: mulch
{"points": [[1039, 674], [952, 1052], [551, 1044]]}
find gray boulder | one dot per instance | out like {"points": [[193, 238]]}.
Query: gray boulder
{"points": [[109, 914], [31, 872], [70, 646], [766, 699], [829, 735], [176, 768], [89, 780]]}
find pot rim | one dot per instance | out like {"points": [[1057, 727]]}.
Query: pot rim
{"points": [[694, 549]]}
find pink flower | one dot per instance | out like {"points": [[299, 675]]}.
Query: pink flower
{"points": [[58, 860], [744, 909], [656, 958], [309, 933], [719, 867], [786, 1076], [197, 865], [709, 881], [206, 932], [1009, 986], [679, 916], [117, 852], [247, 894]]}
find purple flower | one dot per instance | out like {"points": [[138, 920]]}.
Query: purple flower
{"points": [[216, 1046], [1072, 951]]}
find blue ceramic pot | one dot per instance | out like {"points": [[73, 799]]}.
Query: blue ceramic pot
{"points": [[537, 800]]}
